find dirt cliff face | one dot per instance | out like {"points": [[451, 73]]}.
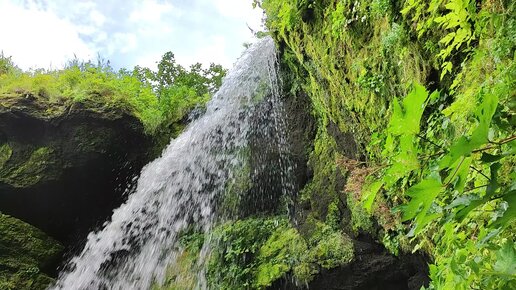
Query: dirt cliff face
{"points": [[63, 168]]}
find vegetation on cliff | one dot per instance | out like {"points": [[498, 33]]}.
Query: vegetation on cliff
{"points": [[160, 99], [255, 252], [427, 89]]}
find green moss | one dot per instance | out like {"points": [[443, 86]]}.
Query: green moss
{"points": [[255, 252], [183, 274], [25, 253], [327, 247], [353, 58], [278, 255], [5, 154], [360, 219], [29, 172]]}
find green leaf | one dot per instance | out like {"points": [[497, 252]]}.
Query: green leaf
{"points": [[406, 118], [422, 196], [464, 146], [490, 192], [459, 173], [488, 158], [370, 194], [506, 260], [462, 201], [509, 214], [404, 162]]}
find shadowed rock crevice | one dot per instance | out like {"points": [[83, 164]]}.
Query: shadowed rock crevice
{"points": [[66, 168]]}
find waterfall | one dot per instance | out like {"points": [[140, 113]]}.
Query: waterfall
{"points": [[182, 187]]}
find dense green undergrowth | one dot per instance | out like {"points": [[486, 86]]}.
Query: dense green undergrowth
{"points": [[159, 98], [428, 90], [255, 252]]}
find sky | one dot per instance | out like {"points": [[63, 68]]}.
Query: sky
{"points": [[47, 33]]}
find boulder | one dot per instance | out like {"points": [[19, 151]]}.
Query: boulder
{"points": [[65, 166], [28, 257]]}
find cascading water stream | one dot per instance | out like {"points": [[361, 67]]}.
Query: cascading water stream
{"points": [[182, 187]]}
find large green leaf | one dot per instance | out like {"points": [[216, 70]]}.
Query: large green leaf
{"points": [[404, 162], [422, 195], [370, 194], [459, 173], [406, 118], [465, 145], [506, 260]]}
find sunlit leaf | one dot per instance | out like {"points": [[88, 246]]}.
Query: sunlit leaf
{"points": [[465, 145], [422, 195], [370, 194], [406, 117], [506, 260], [459, 173]]}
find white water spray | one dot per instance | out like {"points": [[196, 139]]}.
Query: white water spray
{"points": [[181, 187]]}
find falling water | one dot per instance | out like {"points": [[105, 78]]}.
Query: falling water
{"points": [[181, 188]]}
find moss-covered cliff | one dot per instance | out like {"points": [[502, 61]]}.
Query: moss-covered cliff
{"points": [[65, 166], [425, 90], [28, 257]]}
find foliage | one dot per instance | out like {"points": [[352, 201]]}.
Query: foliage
{"points": [[159, 99], [450, 195], [255, 252], [443, 178], [450, 188], [456, 20]]}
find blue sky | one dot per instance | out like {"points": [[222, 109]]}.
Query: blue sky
{"points": [[46, 33]]}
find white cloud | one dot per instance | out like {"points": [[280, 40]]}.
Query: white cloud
{"points": [[241, 10], [152, 11], [123, 42], [38, 38], [212, 51], [98, 18], [42, 32]]}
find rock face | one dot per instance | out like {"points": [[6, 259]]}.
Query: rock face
{"points": [[375, 269], [27, 256], [371, 269], [64, 168]]}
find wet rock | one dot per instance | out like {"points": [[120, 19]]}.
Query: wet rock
{"points": [[64, 167], [28, 257]]}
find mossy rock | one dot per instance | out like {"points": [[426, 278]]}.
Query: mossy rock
{"points": [[23, 173], [26, 255], [64, 167], [5, 154], [255, 253]]}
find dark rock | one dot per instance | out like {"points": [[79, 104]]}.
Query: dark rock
{"points": [[269, 158], [375, 269], [372, 269], [28, 257], [63, 168]]}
